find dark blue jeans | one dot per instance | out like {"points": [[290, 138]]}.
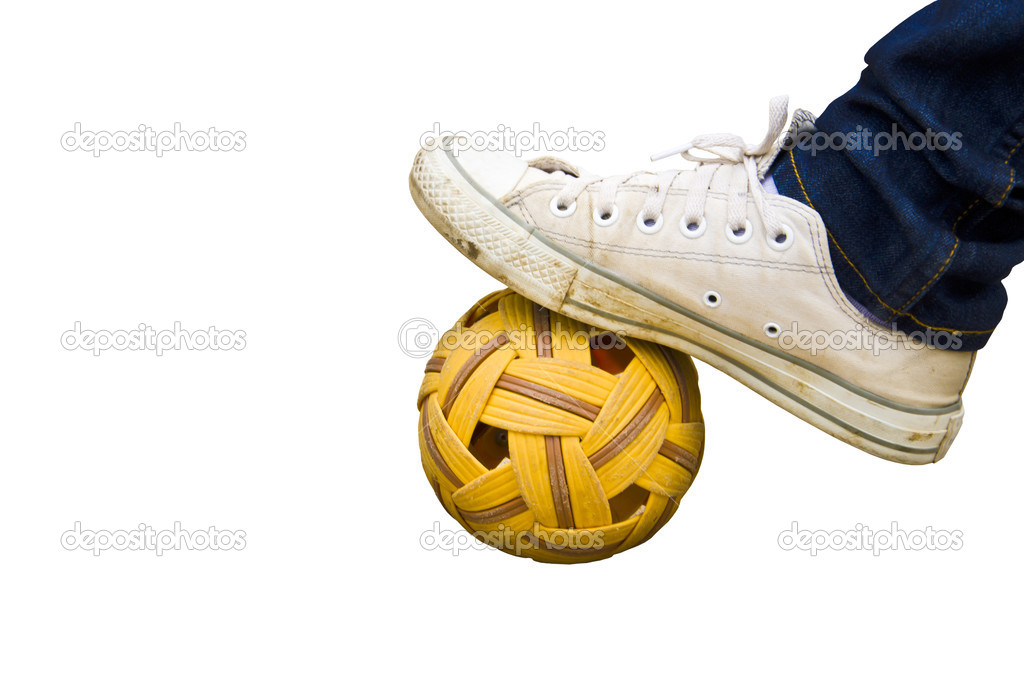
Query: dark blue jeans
{"points": [[919, 179]]}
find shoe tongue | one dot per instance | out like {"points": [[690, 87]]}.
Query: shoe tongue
{"points": [[545, 169], [802, 123], [553, 165], [534, 175]]}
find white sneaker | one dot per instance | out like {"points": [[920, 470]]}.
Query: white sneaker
{"points": [[708, 262]]}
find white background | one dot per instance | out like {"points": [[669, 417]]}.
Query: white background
{"points": [[309, 242]]}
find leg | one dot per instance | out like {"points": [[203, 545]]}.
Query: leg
{"points": [[922, 238]]}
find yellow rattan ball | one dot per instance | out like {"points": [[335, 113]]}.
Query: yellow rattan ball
{"points": [[547, 438]]}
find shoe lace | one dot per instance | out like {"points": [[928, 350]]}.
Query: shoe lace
{"points": [[725, 153]]}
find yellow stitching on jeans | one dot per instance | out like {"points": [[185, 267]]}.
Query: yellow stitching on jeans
{"points": [[1006, 192], [956, 242], [964, 214], [801, 181], [792, 160], [1007, 161], [796, 171]]}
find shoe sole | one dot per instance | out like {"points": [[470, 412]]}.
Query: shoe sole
{"points": [[524, 259]]}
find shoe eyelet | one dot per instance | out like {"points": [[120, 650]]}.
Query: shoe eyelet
{"points": [[559, 211], [712, 299], [741, 237], [786, 241], [644, 227], [600, 220], [693, 230], [772, 330]]}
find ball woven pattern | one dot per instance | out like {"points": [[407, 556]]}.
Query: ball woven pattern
{"points": [[547, 438]]}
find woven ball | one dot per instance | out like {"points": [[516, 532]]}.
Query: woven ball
{"points": [[549, 439]]}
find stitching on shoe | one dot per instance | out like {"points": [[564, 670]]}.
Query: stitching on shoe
{"points": [[832, 285], [525, 211], [631, 188], [837, 296], [803, 189], [672, 254]]}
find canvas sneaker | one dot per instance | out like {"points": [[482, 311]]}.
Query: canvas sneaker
{"points": [[709, 262]]}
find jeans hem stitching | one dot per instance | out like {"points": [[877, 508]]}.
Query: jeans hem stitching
{"points": [[893, 311]]}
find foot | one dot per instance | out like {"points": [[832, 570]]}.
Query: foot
{"points": [[710, 263]]}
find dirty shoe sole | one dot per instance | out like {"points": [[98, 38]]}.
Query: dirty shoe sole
{"points": [[523, 258]]}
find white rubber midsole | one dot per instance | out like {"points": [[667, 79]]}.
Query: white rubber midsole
{"points": [[532, 265]]}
